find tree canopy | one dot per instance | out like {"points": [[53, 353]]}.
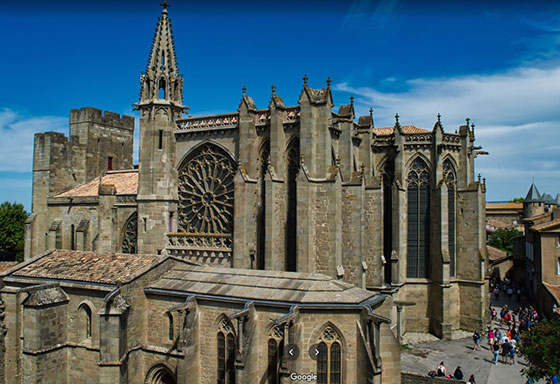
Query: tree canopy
{"points": [[503, 239], [541, 348], [516, 200], [12, 224]]}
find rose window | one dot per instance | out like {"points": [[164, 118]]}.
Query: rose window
{"points": [[206, 192]]}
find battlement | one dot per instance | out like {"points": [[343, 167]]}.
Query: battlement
{"points": [[94, 115]]}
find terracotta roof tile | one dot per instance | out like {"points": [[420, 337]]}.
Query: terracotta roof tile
{"points": [[506, 206], [261, 285], [538, 217], [554, 291], [107, 268], [497, 224], [546, 225], [388, 131], [5, 265], [125, 182], [495, 254]]}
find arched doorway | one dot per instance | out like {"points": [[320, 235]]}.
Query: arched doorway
{"points": [[160, 374]]}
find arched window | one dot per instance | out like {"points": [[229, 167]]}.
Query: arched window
{"points": [[418, 244], [206, 191], [162, 90], [388, 177], [329, 363], [170, 325], [450, 178], [160, 374], [261, 221], [226, 353], [275, 350], [130, 235], [85, 321], [292, 169]]}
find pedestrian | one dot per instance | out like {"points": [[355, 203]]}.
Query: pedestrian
{"points": [[494, 314], [471, 380], [496, 351], [506, 347], [441, 371], [458, 374], [476, 341], [512, 353], [490, 336]]}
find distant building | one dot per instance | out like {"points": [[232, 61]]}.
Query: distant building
{"points": [[537, 253], [508, 214]]}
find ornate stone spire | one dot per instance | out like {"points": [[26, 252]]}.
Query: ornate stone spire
{"points": [[161, 82]]}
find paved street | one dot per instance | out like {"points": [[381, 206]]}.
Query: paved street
{"points": [[425, 356]]}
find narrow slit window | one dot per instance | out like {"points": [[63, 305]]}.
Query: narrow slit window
{"points": [[110, 163], [160, 139]]}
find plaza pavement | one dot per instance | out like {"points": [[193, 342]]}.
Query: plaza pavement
{"points": [[422, 356]]}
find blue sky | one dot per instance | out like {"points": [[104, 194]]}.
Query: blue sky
{"points": [[495, 62]]}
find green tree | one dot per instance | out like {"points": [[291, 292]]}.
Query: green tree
{"points": [[516, 200], [503, 239], [541, 348], [12, 224]]}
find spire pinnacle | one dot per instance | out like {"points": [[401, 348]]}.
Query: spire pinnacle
{"points": [[352, 100], [244, 90], [397, 119], [328, 83], [371, 113], [165, 4], [468, 121], [162, 81], [305, 80], [439, 118], [273, 89]]}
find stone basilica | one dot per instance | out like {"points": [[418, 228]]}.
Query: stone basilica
{"points": [[273, 204]]}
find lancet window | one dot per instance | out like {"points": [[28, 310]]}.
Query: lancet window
{"points": [[450, 178], [264, 157], [292, 169], [418, 244], [329, 363], [206, 192], [226, 353], [275, 349], [130, 235]]}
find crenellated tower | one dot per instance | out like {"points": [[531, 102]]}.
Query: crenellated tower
{"points": [[161, 104]]}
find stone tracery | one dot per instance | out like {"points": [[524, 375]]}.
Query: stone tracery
{"points": [[206, 192]]}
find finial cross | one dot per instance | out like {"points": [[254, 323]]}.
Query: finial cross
{"points": [[165, 4]]}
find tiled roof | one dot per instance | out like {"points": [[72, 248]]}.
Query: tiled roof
{"points": [[546, 225], [261, 285], [504, 206], [5, 265], [125, 182], [554, 291], [495, 254], [538, 217], [497, 223], [107, 268], [388, 131]]}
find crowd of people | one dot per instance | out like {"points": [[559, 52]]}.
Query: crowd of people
{"points": [[441, 371]]}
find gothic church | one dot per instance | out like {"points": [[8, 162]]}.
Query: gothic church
{"points": [[306, 188]]}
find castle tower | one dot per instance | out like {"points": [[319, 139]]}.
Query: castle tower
{"points": [[160, 106], [533, 204]]}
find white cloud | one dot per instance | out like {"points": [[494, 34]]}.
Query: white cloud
{"points": [[517, 117], [17, 132]]}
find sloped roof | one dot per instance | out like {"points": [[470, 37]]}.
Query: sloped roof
{"points": [[388, 131], [260, 285], [555, 292], [504, 206], [5, 265], [106, 268], [548, 199], [548, 225], [497, 224], [533, 195], [125, 182], [495, 254]]}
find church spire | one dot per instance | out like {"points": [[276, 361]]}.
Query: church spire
{"points": [[161, 82]]}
